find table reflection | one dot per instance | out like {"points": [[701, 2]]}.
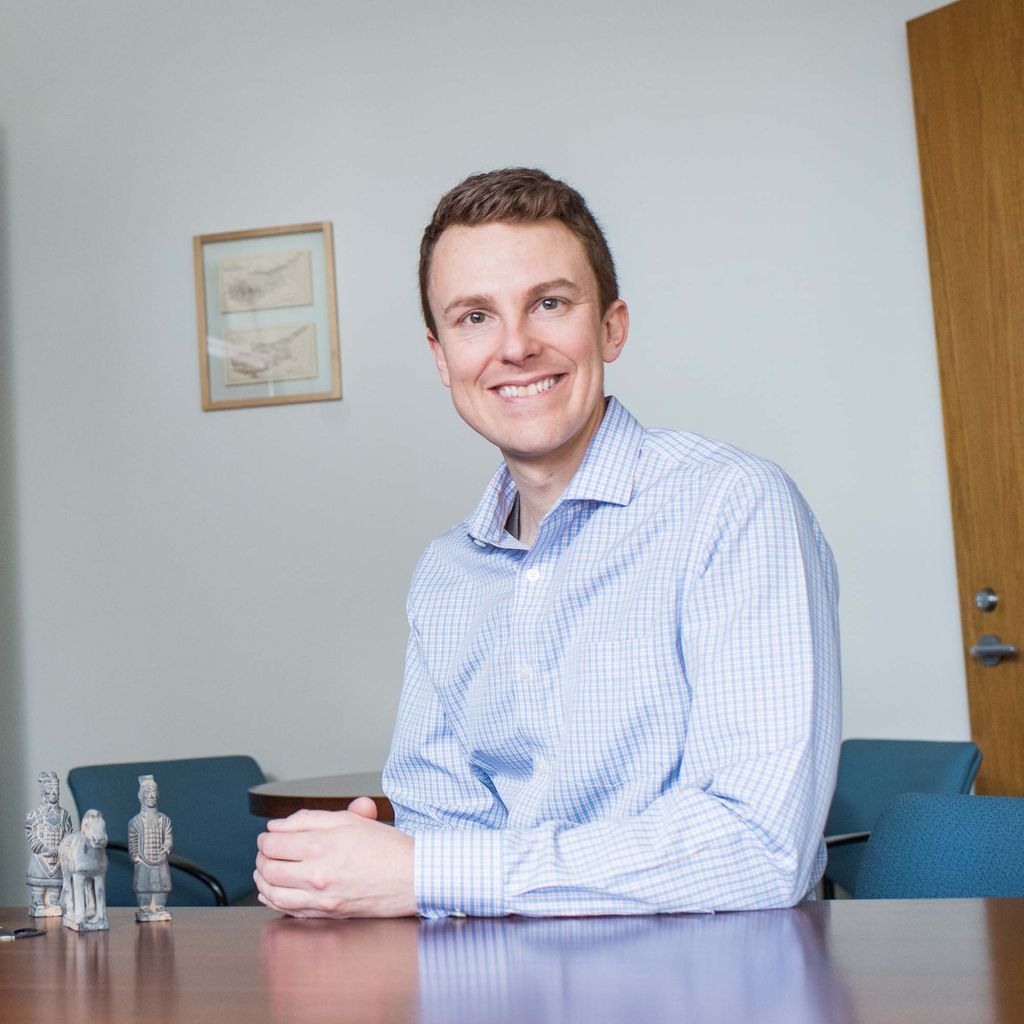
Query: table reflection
{"points": [[337, 971], [772, 966], [82, 975], [769, 966], [157, 987]]}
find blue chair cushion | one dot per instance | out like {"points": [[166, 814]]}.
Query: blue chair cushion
{"points": [[933, 846], [872, 772]]}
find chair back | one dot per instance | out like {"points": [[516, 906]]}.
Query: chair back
{"points": [[873, 772], [206, 799], [939, 846]]}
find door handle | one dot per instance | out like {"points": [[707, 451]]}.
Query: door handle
{"points": [[990, 650]]}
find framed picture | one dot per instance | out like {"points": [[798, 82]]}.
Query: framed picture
{"points": [[268, 316]]}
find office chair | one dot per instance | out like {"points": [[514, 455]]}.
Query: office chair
{"points": [[933, 846], [871, 774], [206, 799]]}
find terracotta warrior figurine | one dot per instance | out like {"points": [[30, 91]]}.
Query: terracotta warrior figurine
{"points": [[45, 827], [149, 846]]}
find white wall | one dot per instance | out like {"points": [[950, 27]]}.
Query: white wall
{"points": [[179, 583]]}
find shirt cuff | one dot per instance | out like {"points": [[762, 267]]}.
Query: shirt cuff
{"points": [[459, 871]]}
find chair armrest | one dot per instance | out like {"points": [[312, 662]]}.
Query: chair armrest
{"points": [[846, 839], [183, 864]]}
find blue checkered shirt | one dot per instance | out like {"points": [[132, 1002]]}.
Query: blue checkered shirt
{"points": [[640, 712]]}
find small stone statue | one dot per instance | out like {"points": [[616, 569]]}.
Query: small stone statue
{"points": [[149, 846], [45, 827], [83, 862]]}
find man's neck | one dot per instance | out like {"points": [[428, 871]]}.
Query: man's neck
{"points": [[540, 483], [537, 495]]}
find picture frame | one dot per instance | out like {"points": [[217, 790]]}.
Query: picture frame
{"points": [[267, 315]]}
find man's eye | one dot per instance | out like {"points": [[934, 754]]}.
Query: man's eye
{"points": [[550, 304], [476, 317]]}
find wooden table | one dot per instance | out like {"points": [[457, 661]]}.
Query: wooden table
{"points": [[325, 793], [869, 961]]}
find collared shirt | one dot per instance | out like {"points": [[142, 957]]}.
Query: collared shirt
{"points": [[640, 712]]}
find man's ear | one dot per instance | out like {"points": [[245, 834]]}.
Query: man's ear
{"points": [[439, 359], [616, 329]]}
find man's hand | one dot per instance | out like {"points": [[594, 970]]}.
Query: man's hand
{"points": [[336, 864]]}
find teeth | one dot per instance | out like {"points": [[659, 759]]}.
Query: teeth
{"points": [[538, 387]]}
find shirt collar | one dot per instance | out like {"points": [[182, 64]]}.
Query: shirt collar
{"points": [[606, 474]]}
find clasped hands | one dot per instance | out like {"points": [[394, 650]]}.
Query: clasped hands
{"points": [[336, 864]]}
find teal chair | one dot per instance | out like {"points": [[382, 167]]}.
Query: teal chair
{"points": [[206, 799], [871, 774], [930, 846]]}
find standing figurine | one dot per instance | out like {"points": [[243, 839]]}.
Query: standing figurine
{"points": [[45, 827], [149, 846], [83, 863]]}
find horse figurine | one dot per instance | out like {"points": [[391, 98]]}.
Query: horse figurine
{"points": [[83, 861]]}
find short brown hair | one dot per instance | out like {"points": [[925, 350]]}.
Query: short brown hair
{"points": [[518, 195]]}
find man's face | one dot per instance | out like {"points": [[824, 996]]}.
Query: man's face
{"points": [[521, 337], [148, 796], [51, 791]]}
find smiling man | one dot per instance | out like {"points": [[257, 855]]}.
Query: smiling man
{"points": [[524, 352], [622, 680]]}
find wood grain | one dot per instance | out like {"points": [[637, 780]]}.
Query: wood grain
{"points": [[967, 67]]}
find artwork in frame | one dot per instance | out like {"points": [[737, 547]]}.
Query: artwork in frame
{"points": [[267, 315]]}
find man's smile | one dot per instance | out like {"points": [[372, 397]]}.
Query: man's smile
{"points": [[528, 389]]}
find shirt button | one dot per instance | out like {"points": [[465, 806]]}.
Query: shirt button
{"points": [[479, 543], [540, 766], [525, 671], [532, 575]]}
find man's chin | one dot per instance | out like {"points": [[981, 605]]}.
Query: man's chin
{"points": [[528, 450], [521, 443]]}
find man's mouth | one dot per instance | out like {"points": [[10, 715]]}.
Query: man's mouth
{"points": [[536, 387]]}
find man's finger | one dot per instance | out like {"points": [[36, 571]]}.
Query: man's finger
{"points": [[270, 905], [308, 820], [286, 874], [285, 845], [265, 895], [364, 807], [289, 901]]}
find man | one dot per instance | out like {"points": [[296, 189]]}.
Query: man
{"points": [[45, 827], [150, 840], [622, 681]]}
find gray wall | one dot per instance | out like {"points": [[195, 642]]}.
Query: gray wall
{"points": [[179, 583]]}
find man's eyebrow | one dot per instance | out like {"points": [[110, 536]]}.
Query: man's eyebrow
{"points": [[468, 300], [557, 284]]}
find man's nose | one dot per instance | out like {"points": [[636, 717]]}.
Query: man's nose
{"points": [[518, 340]]}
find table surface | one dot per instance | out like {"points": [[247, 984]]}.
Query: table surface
{"points": [[845, 961], [324, 793]]}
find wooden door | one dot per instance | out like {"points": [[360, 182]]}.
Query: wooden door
{"points": [[967, 68]]}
